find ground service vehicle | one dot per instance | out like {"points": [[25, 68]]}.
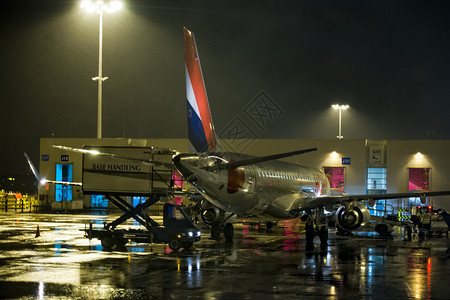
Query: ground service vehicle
{"points": [[177, 230]]}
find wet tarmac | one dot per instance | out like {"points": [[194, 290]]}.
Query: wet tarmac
{"points": [[61, 264]]}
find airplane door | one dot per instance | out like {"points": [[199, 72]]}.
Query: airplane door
{"points": [[250, 181], [63, 173]]}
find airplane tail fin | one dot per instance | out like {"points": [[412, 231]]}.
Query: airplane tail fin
{"points": [[202, 136]]}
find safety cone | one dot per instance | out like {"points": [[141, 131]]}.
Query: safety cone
{"points": [[38, 232]]}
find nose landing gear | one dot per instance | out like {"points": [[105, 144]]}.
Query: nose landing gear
{"points": [[218, 228]]}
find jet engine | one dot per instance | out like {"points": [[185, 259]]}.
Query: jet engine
{"points": [[211, 215], [352, 218]]}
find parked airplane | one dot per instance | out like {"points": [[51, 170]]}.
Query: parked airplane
{"points": [[261, 187]]}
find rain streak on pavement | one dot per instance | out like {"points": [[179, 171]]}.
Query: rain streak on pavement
{"points": [[61, 264]]}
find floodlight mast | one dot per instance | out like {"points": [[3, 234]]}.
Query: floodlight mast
{"points": [[340, 108], [100, 7]]}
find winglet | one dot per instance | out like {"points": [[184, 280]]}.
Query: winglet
{"points": [[33, 169], [202, 136]]}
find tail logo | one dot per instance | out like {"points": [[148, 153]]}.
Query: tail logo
{"points": [[201, 129]]}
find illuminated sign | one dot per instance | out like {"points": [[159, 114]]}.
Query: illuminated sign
{"points": [[45, 157], [65, 157], [376, 154]]}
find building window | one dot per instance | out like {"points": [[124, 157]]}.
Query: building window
{"points": [[376, 179], [178, 182], [377, 184], [99, 201], [63, 173], [418, 179], [336, 177], [138, 200]]}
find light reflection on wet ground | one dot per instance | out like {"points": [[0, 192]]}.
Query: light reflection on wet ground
{"points": [[275, 264]]}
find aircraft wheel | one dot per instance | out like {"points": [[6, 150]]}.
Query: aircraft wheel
{"points": [[309, 233], [107, 241], [188, 245], [323, 234], [175, 244], [215, 231], [228, 232]]}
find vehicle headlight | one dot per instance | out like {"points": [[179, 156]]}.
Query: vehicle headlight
{"points": [[191, 234], [198, 233]]}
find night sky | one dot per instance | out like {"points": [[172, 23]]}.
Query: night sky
{"points": [[389, 60]]}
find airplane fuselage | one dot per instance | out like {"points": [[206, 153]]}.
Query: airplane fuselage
{"points": [[269, 190]]}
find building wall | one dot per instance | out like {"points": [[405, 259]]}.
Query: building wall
{"points": [[403, 155], [398, 157]]}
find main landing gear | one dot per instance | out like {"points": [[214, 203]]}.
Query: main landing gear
{"points": [[217, 228], [316, 224]]}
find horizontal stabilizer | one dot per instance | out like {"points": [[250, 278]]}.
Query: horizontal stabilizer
{"points": [[252, 161], [255, 160]]}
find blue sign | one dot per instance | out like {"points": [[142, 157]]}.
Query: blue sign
{"points": [[346, 161], [45, 157], [64, 157]]}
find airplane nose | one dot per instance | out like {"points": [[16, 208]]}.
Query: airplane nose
{"points": [[178, 162]]}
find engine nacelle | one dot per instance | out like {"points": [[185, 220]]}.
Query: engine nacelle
{"points": [[352, 219], [211, 215]]}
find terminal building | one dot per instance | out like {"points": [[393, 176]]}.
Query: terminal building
{"points": [[354, 166]]}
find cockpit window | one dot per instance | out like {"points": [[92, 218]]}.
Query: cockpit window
{"points": [[211, 160], [191, 160]]}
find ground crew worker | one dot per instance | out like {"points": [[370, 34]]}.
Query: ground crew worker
{"points": [[415, 217]]}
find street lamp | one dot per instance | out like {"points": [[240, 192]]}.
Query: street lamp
{"points": [[341, 108], [100, 7]]}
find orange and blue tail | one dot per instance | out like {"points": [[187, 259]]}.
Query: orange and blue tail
{"points": [[202, 137]]}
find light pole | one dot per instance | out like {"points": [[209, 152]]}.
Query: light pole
{"points": [[100, 7], [340, 108]]}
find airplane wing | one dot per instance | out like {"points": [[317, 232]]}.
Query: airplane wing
{"points": [[43, 180], [312, 203], [111, 155]]}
